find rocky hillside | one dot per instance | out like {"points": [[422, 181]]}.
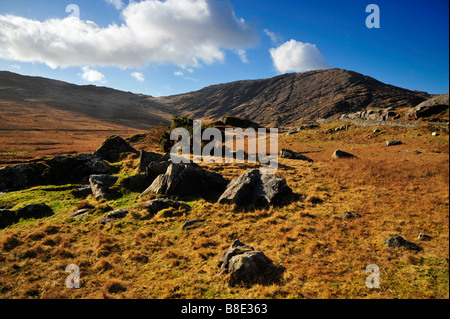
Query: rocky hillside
{"points": [[285, 99], [279, 101], [99, 103]]}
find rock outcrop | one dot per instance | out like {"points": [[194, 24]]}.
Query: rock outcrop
{"points": [[254, 189], [54, 171], [185, 180], [112, 148]]}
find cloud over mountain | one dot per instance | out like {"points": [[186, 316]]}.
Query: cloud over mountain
{"points": [[182, 32], [294, 56]]}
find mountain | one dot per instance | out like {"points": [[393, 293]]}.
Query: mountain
{"points": [[279, 101], [100, 103], [285, 99]]}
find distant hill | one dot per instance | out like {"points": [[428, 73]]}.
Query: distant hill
{"points": [[100, 103], [285, 99], [279, 101]]}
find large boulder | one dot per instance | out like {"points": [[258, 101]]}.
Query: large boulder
{"points": [[285, 153], [34, 211], [100, 185], [255, 189], [112, 148], [185, 180]]}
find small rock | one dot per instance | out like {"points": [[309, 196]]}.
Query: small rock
{"points": [[423, 236], [396, 241], [285, 153], [81, 213], [191, 222], [155, 205], [115, 215], [349, 215], [393, 142], [342, 154], [417, 152]]}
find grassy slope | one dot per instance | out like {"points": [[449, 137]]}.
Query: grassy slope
{"points": [[395, 192]]}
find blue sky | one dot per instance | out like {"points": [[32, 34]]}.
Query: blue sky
{"points": [[176, 46]]}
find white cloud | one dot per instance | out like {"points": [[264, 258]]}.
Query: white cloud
{"points": [[138, 76], [187, 33], [242, 55], [178, 73], [273, 37], [92, 75], [118, 4], [294, 56]]}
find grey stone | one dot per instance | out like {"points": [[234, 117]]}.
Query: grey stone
{"points": [[100, 185], [81, 213], [396, 241], [255, 189], [191, 222], [115, 215], [393, 142], [349, 215], [243, 263], [285, 153], [184, 180], [342, 154], [424, 237]]}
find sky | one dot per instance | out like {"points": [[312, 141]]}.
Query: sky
{"points": [[170, 47]]}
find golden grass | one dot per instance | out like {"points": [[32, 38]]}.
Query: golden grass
{"points": [[394, 191]]}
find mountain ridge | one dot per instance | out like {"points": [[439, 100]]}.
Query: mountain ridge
{"points": [[287, 98], [282, 100]]}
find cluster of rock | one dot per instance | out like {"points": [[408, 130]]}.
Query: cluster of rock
{"points": [[430, 107], [61, 170], [372, 115]]}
